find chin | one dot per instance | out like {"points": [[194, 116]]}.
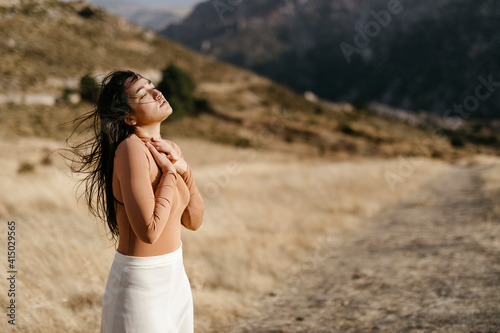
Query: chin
{"points": [[168, 113]]}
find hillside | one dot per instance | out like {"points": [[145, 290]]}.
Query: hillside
{"points": [[48, 44], [57, 43], [426, 55], [282, 176]]}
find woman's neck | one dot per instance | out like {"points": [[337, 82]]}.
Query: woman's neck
{"points": [[148, 132]]}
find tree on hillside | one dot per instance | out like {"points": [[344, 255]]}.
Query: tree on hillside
{"points": [[89, 88], [178, 88]]}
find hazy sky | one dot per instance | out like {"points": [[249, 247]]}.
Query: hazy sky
{"points": [[162, 3]]}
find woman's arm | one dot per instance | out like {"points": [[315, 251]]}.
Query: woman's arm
{"points": [[192, 216], [147, 212]]}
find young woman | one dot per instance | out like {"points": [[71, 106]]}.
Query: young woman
{"points": [[142, 187]]}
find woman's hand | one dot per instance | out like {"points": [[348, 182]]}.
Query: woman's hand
{"points": [[178, 162], [161, 159]]}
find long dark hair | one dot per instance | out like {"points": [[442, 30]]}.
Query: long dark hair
{"points": [[94, 156]]}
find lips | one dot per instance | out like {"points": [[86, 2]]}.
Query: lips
{"points": [[163, 103]]}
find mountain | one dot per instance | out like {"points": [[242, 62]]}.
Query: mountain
{"points": [[426, 55], [155, 17], [274, 178], [152, 18], [50, 45]]}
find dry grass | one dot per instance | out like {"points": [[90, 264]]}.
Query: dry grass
{"points": [[426, 264], [260, 221], [264, 219]]}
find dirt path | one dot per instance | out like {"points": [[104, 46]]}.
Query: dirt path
{"points": [[429, 264]]}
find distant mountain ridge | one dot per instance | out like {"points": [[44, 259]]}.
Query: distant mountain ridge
{"points": [[428, 55], [150, 16], [50, 45]]}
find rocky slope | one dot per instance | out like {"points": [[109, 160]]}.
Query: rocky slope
{"points": [[48, 45], [424, 55]]}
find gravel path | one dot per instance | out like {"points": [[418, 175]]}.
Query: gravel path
{"points": [[429, 264]]}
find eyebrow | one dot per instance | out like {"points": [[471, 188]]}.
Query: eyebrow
{"points": [[141, 87]]}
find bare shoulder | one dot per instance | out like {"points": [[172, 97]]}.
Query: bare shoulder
{"points": [[131, 144]]}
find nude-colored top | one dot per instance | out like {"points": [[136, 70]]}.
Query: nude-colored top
{"points": [[151, 205]]}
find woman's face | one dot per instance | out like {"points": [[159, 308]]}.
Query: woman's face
{"points": [[147, 103]]}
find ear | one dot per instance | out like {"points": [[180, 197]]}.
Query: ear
{"points": [[130, 120]]}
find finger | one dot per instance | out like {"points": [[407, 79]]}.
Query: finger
{"points": [[156, 154], [163, 150], [164, 147], [172, 158], [158, 148], [152, 149]]}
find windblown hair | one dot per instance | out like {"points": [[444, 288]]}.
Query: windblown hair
{"points": [[94, 156]]}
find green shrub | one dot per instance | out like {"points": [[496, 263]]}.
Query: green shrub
{"points": [[457, 141], [26, 167], [347, 129], [65, 97], [178, 88], [89, 88], [86, 12], [242, 142], [361, 105]]}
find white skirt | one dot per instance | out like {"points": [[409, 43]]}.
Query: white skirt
{"points": [[147, 295]]}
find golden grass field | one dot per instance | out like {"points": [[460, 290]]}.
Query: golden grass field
{"points": [[260, 222], [267, 209]]}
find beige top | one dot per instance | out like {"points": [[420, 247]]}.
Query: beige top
{"points": [[151, 205]]}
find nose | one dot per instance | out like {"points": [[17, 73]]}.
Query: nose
{"points": [[157, 94]]}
